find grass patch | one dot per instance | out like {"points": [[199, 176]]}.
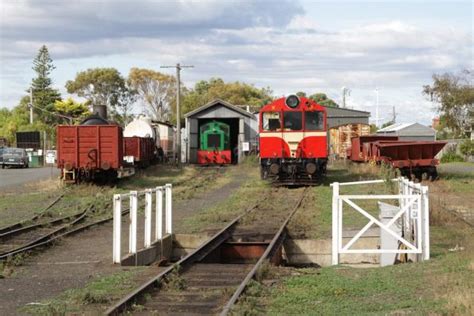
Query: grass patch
{"points": [[443, 285], [93, 298], [214, 217], [174, 281]]}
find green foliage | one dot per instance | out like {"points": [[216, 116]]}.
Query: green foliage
{"points": [[322, 99], [387, 124], [104, 86], [98, 85], [44, 96], [174, 281], [17, 120], [373, 128], [155, 90], [455, 97], [451, 156], [442, 129], [237, 93], [467, 147], [387, 173], [70, 108], [301, 94]]}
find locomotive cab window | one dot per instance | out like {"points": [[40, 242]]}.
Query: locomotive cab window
{"points": [[214, 141], [314, 121], [293, 121], [271, 121]]}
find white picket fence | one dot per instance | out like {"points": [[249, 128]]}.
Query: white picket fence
{"points": [[413, 213], [134, 197]]}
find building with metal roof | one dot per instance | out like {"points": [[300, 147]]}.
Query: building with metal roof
{"points": [[243, 128], [409, 131], [343, 116]]}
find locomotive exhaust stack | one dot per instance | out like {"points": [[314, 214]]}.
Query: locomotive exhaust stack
{"points": [[100, 110]]}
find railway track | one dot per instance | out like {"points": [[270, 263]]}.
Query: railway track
{"points": [[211, 279], [23, 238], [28, 221], [38, 235]]}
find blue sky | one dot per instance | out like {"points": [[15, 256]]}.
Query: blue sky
{"points": [[314, 46]]}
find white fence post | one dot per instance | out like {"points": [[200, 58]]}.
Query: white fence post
{"points": [[419, 218], [148, 205], [132, 246], [169, 218], [159, 214], [426, 223], [335, 223], [117, 202], [133, 218]]}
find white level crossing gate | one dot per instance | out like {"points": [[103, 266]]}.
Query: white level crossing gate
{"points": [[412, 213], [157, 197]]}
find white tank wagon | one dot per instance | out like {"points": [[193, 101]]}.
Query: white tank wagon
{"points": [[162, 133]]}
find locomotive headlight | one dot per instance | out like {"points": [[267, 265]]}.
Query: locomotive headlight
{"points": [[292, 101]]}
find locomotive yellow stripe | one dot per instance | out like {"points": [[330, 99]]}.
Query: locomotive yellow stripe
{"points": [[292, 138], [292, 135]]}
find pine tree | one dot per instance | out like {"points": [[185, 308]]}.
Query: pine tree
{"points": [[44, 96]]}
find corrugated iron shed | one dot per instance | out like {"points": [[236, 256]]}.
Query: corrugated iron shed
{"points": [[243, 126], [343, 116], [409, 131]]}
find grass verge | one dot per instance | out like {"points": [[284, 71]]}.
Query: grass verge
{"points": [[443, 285]]}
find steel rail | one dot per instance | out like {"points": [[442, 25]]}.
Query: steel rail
{"points": [[20, 224], [198, 254], [25, 229], [28, 245], [269, 252], [67, 233]]}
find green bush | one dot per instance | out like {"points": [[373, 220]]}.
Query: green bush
{"points": [[467, 147], [451, 156]]}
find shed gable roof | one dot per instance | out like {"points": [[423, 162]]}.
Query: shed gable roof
{"points": [[403, 126], [215, 103], [345, 112]]}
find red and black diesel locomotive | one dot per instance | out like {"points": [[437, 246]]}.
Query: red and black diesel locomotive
{"points": [[293, 140]]}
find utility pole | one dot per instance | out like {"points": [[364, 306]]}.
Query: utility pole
{"points": [[178, 114], [394, 115], [31, 105], [376, 106], [345, 91]]}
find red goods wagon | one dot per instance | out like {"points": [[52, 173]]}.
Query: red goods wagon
{"points": [[139, 150], [412, 158], [87, 151], [361, 146], [293, 140]]}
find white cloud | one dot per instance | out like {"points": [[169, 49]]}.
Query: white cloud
{"points": [[268, 45]]}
